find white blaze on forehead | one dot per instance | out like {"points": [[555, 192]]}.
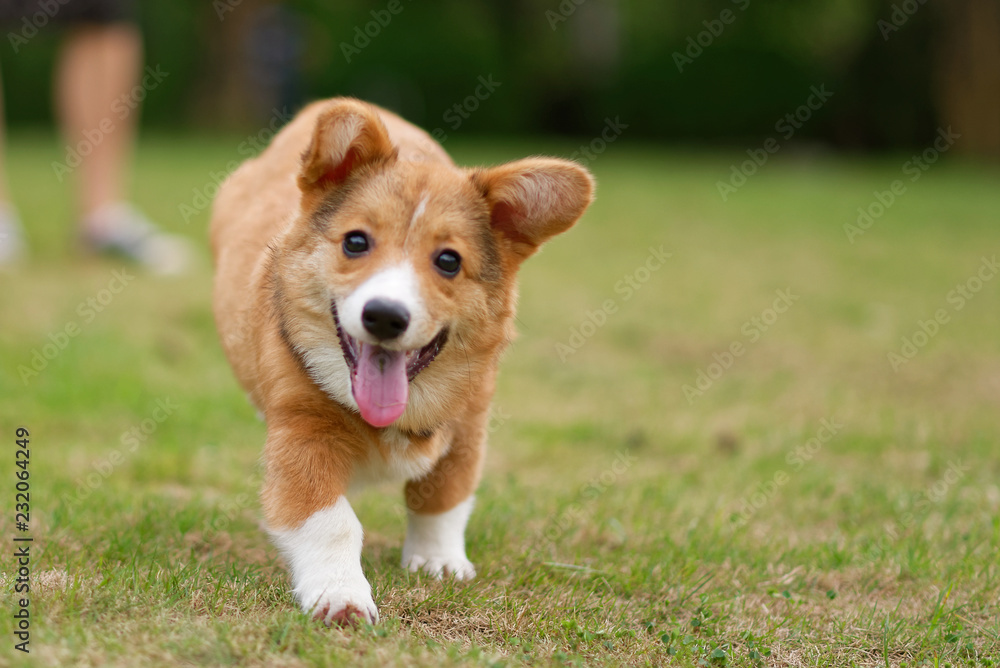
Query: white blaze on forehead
{"points": [[398, 283], [421, 208]]}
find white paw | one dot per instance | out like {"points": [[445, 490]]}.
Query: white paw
{"points": [[435, 544], [456, 566], [324, 558], [338, 602]]}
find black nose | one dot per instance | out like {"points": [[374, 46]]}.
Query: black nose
{"points": [[385, 319]]}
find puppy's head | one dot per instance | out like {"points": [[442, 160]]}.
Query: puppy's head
{"points": [[412, 264]]}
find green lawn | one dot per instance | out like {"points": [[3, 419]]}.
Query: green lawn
{"points": [[806, 505]]}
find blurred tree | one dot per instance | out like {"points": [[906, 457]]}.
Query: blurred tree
{"points": [[251, 62], [967, 73], [223, 94], [898, 69]]}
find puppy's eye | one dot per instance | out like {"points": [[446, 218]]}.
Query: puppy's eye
{"points": [[355, 244], [448, 263]]}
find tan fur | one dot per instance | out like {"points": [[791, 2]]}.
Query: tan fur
{"points": [[277, 229]]}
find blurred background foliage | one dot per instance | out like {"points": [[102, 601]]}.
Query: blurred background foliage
{"points": [[898, 69]]}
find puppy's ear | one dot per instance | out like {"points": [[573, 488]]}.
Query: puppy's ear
{"points": [[348, 136], [534, 199]]}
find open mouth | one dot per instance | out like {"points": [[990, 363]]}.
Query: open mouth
{"points": [[380, 377]]}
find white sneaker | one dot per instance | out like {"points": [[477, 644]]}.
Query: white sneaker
{"points": [[12, 246], [123, 230]]}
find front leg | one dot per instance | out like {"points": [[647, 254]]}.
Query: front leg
{"points": [[439, 506], [313, 525], [435, 543], [324, 558]]}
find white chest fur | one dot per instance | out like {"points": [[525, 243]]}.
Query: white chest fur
{"points": [[393, 462]]}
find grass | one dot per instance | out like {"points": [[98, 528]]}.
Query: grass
{"points": [[811, 507]]}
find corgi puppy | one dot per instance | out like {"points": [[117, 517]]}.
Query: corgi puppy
{"points": [[365, 288]]}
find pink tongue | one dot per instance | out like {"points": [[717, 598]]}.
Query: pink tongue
{"points": [[380, 384]]}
